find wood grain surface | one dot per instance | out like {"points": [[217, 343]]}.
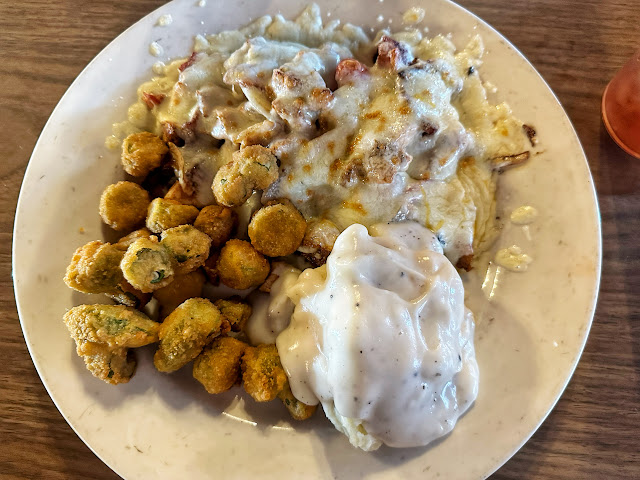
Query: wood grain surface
{"points": [[577, 45]]}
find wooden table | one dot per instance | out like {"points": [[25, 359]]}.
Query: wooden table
{"points": [[577, 45]]}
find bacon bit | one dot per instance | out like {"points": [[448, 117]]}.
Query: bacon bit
{"points": [[428, 129], [500, 163], [465, 262], [531, 134], [350, 70], [392, 54], [306, 168], [373, 115], [152, 99], [190, 61], [331, 146]]}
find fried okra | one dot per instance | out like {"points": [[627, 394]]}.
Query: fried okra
{"points": [[128, 296], [318, 241], [185, 332], [262, 374], [103, 335], [218, 222], [127, 240], [111, 365], [123, 205], [241, 266], [147, 265], [182, 288], [95, 268], [235, 312], [142, 152], [297, 409], [188, 247], [251, 168], [277, 230], [218, 368], [112, 325], [163, 214]]}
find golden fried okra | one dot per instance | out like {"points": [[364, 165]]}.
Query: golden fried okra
{"points": [[188, 247], [318, 241], [218, 367], [128, 296], [185, 332], [241, 266], [251, 168], [277, 230], [297, 409], [142, 152], [111, 325], [147, 265], [111, 365], [123, 205], [95, 268], [262, 374], [182, 288], [235, 312], [163, 214], [127, 240], [218, 222]]}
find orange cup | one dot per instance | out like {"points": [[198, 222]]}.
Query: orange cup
{"points": [[621, 107]]}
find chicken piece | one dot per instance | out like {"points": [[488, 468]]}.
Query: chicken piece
{"points": [[251, 168], [188, 247], [218, 222], [350, 71], [129, 296], [111, 365], [127, 240], [218, 368], [141, 153], [297, 409], [147, 265], [95, 268], [185, 332], [164, 214], [277, 230], [235, 312], [241, 266], [111, 325], [392, 54], [123, 205], [318, 241], [262, 374], [182, 288]]}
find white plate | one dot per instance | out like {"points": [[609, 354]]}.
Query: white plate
{"points": [[529, 336]]}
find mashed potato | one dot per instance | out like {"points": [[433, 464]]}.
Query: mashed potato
{"points": [[381, 337]]}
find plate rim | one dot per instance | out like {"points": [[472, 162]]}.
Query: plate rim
{"points": [[560, 389]]}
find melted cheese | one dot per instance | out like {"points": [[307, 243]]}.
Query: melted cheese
{"points": [[407, 138]]}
